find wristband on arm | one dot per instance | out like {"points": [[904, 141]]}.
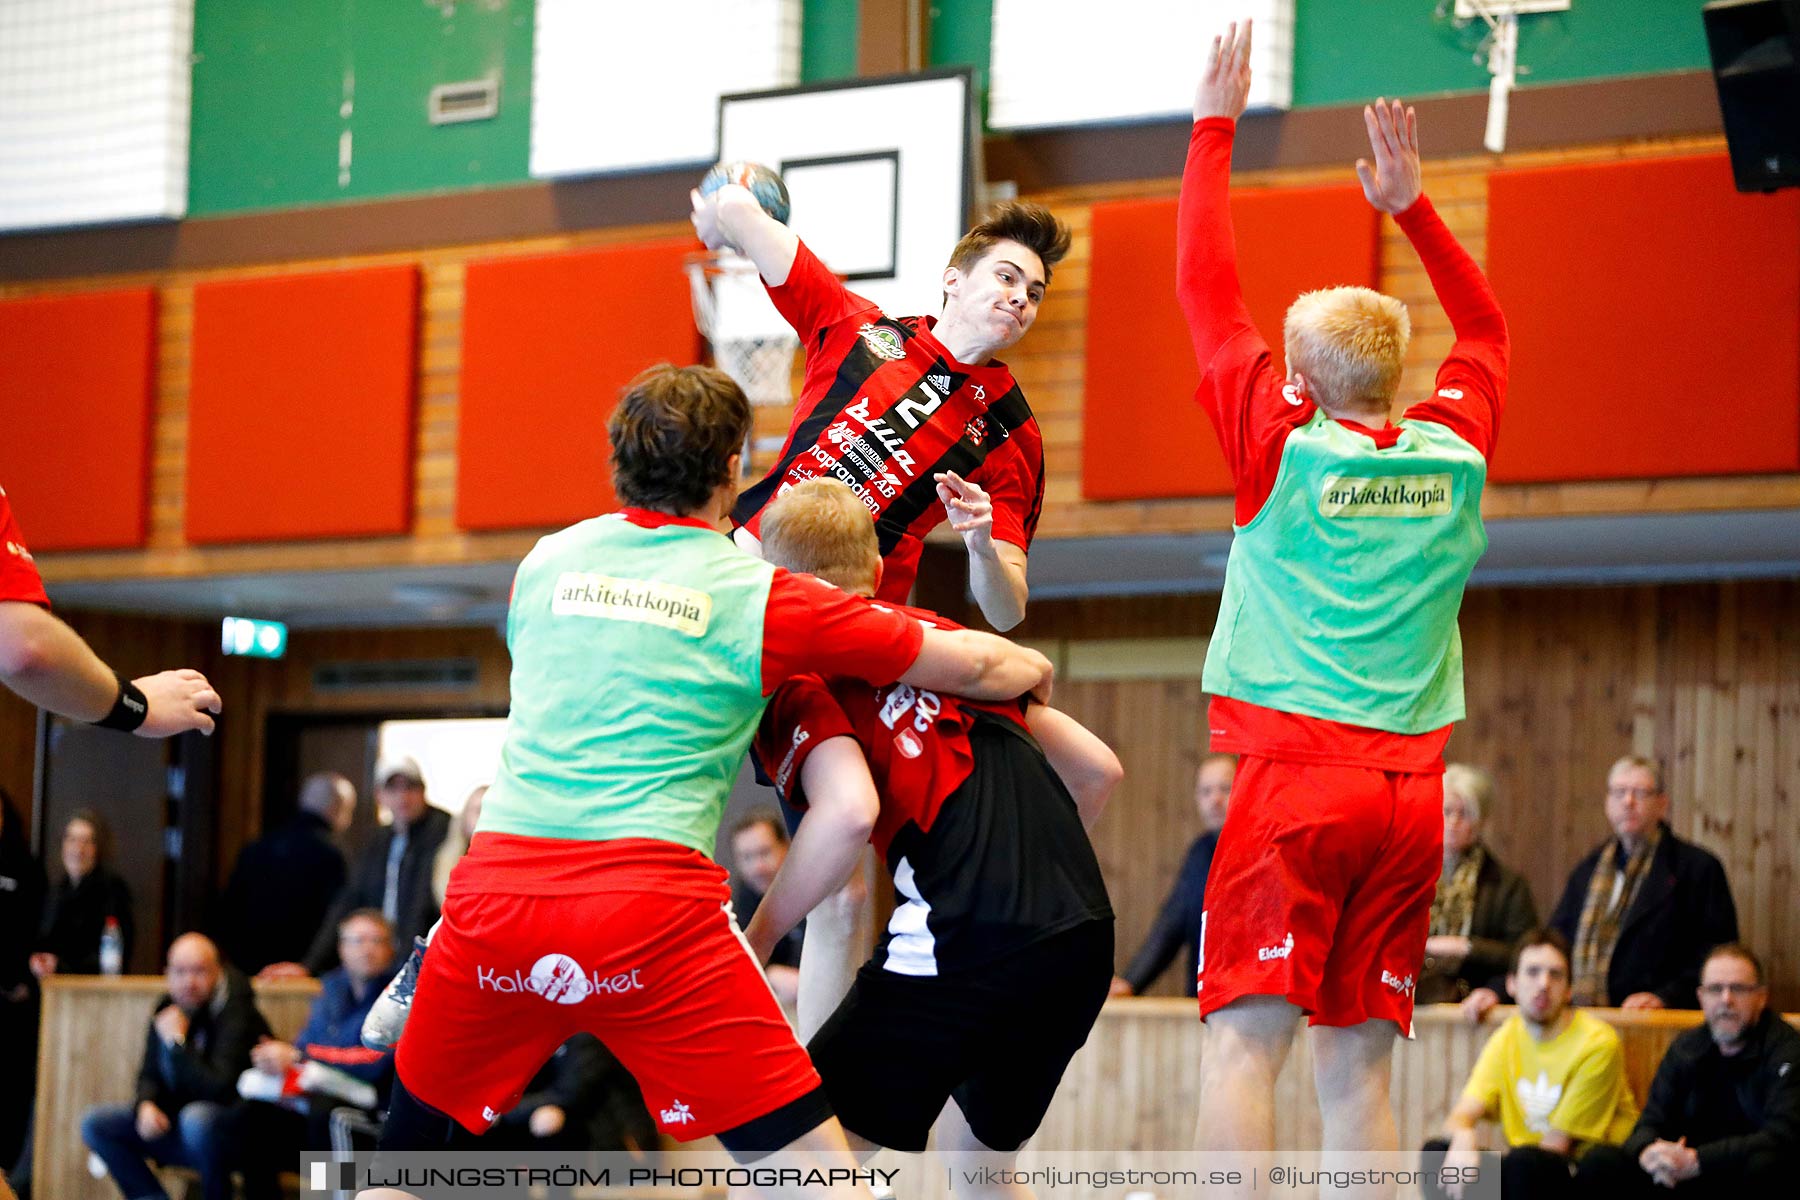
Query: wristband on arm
{"points": [[128, 711]]}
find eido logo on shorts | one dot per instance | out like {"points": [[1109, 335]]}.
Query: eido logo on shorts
{"points": [[558, 979], [1283, 949]]}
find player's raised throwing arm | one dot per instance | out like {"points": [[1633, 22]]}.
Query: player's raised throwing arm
{"points": [[732, 217]]}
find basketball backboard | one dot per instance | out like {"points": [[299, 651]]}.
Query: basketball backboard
{"points": [[633, 87], [882, 174]]}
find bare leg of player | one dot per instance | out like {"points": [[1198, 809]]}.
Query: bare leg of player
{"points": [[1352, 1067], [1247, 1043], [955, 1137], [840, 936]]}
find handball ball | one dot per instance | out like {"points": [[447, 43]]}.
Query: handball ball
{"points": [[763, 183]]}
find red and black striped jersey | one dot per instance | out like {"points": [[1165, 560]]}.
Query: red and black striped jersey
{"points": [[984, 841], [884, 408]]}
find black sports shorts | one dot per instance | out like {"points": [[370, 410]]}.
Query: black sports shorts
{"points": [[998, 1040]]}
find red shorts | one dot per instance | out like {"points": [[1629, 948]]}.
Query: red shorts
{"points": [[1321, 890], [666, 981]]}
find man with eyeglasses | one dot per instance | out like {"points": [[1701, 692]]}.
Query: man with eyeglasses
{"points": [[1642, 909], [1723, 1117]]}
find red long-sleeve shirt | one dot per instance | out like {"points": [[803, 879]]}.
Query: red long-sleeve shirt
{"points": [[1253, 411], [19, 579]]}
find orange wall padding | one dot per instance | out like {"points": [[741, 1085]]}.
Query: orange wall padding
{"points": [[76, 377], [547, 344], [300, 417], [1145, 437], [1655, 319]]}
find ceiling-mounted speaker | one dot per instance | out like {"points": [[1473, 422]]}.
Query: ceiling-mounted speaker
{"points": [[1755, 46]]}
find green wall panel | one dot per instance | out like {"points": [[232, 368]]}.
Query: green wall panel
{"points": [[277, 84], [1351, 52], [962, 35], [828, 32]]}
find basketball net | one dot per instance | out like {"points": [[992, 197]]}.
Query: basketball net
{"points": [[728, 296], [1502, 44]]}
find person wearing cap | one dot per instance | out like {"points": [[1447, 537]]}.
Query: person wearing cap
{"points": [[393, 872]]}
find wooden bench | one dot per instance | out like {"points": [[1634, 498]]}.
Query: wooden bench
{"points": [[90, 1048]]}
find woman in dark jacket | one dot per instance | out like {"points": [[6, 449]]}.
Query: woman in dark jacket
{"points": [[21, 904], [79, 904], [1481, 908]]}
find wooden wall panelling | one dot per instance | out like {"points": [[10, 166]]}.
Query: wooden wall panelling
{"points": [[169, 423], [1135, 1085], [1701, 677], [433, 537], [253, 689], [1157, 730], [440, 399], [1781, 803]]}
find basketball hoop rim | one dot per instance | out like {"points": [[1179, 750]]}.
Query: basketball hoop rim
{"points": [[721, 261]]}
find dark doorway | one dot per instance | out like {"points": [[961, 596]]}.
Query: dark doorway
{"points": [[159, 799]]}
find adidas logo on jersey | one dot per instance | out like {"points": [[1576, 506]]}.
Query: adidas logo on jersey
{"points": [[940, 382]]}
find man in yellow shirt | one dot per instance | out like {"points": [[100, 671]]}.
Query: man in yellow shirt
{"points": [[1553, 1075]]}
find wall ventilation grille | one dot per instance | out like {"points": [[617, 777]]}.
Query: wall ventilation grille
{"points": [[402, 675], [474, 100]]}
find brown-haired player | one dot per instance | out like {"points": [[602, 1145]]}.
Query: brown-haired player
{"points": [[998, 956], [914, 414], [644, 648], [1335, 669]]}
